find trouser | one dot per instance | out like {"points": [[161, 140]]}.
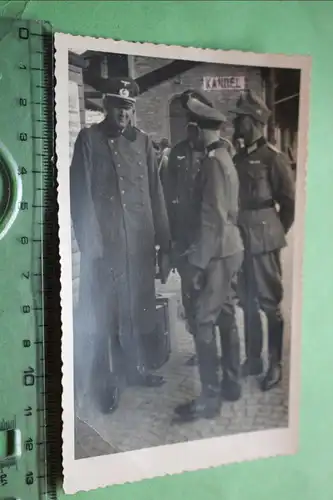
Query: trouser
{"points": [[261, 289], [111, 361], [230, 343], [213, 305]]}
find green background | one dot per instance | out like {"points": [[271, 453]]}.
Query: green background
{"points": [[281, 27]]}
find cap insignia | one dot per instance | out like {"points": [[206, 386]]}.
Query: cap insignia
{"points": [[123, 92]]}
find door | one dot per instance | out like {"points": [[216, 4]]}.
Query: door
{"points": [[177, 121]]}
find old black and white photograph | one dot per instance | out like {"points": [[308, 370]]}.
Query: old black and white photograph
{"points": [[181, 199]]}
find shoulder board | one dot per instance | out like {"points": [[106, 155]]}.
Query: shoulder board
{"points": [[273, 148], [227, 142], [280, 154]]}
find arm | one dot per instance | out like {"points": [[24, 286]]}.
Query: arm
{"points": [[214, 213], [283, 187], [78, 186], [170, 190], [160, 217], [162, 169]]}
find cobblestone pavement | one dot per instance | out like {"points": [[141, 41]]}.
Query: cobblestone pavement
{"points": [[88, 443], [144, 417]]}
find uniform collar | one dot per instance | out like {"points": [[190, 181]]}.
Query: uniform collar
{"points": [[129, 132], [255, 145]]}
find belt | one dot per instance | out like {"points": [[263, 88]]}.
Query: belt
{"points": [[257, 205]]}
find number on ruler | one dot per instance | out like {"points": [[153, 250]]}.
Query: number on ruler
{"points": [[24, 205], [29, 478], [24, 33], [23, 137], [28, 411], [3, 479], [24, 240], [29, 377], [29, 444], [26, 343], [22, 171], [23, 102]]}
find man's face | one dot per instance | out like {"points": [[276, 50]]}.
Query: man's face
{"points": [[243, 127], [119, 114], [195, 137]]}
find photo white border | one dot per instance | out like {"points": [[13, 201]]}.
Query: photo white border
{"points": [[96, 472]]}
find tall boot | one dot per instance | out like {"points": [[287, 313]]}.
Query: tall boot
{"points": [[107, 379], [231, 388], [253, 333], [208, 404], [273, 375], [137, 373]]}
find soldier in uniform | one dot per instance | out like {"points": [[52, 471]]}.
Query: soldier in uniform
{"points": [[119, 217], [267, 202], [183, 166], [209, 255]]}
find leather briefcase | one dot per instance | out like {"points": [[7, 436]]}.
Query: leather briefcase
{"points": [[157, 344]]}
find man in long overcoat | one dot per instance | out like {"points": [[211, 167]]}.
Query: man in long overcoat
{"points": [[267, 203], [119, 217], [209, 255]]}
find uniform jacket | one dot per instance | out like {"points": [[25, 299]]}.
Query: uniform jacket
{"points": [[217, 197], [267, 197], [119, 215], [179, 180]]}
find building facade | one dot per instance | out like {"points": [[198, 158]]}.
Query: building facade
{"points": [[157, 109]]}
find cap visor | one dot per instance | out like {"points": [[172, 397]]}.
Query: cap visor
{"points": [[204, 111], [120, 97]]}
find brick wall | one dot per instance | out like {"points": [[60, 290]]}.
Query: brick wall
{"points": [[153, 106]]}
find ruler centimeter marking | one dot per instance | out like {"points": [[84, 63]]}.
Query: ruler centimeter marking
{"points": [[31, 472]]}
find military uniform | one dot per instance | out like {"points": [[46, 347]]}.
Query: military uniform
{"points": [[266, 213], [183, 209], [210, 255], [119, 215], [184, 163], [183, 167]]}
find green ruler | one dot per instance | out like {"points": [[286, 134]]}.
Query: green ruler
{"points": [[29, 308]]}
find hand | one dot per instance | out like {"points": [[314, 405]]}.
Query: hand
{"points": [[164, 264], [194, 276], [197, 279]]}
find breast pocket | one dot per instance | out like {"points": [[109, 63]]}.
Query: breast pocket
{"points": [[258, 183]]}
